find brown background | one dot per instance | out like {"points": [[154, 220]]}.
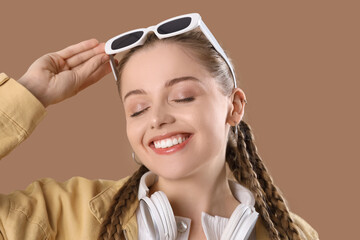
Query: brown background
{"points": [[298, 63]]}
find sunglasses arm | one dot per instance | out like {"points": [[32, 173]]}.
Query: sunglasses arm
{"points": [[217, 46], [113, 67]]}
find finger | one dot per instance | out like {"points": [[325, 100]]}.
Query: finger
{"points": [[77, 48], [84, 71], [78, 59], [101, 72]]}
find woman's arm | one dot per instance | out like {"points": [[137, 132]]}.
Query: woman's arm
{"points": [[52, 78], [20, 112]]}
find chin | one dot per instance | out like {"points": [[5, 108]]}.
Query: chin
{"points": [[174, 172]]}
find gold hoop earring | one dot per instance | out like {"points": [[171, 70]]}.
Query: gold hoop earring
{"points": [[134, 158]]}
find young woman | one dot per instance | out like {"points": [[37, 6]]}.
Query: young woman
{"points": [[184, 122]]}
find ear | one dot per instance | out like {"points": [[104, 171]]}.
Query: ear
{"points": [[237, 107]]}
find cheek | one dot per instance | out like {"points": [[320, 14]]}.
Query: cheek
{"points": [[213, 122], [135, 132]]}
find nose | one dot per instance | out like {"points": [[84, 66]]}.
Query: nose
{"points": [[161, 116]]}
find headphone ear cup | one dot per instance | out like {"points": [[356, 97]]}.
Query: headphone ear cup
{"points": [[167, 214], [158, 216], [151, 218], [241, 223]]}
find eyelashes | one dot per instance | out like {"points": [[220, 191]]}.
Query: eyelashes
{"points": [[182, 100], [188, 99], [139, 112]]}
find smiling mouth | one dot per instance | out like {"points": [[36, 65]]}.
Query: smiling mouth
{"points": [[171, 144], [170, 141]]}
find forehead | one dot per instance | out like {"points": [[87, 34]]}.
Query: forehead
{"points": [[155, 65]]}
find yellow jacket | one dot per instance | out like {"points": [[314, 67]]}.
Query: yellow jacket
{"points": [[73, 209]]}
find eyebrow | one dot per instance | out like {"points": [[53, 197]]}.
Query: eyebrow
{"points": [[169, 83]]}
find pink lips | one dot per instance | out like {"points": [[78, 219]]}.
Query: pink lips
{"points": [[169, 150]]}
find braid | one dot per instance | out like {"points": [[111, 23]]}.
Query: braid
{"points": [[239, 163], [280, 211], [111, 228], [277, 213]]}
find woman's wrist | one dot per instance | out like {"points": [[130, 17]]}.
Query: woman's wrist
{"points": [[31, 88]]}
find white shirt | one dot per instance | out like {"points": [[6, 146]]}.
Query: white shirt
{"points": [[213, 226]]}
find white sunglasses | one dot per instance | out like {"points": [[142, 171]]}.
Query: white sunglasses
{"points": [[168, 28]]}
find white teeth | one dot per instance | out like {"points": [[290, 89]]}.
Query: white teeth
{"points": [[169, 142]]}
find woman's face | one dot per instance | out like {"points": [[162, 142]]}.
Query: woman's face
{"points": [[176, 117]]}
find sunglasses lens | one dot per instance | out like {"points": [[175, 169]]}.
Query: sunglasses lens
{"points": [[126, 40], [174, 26]]}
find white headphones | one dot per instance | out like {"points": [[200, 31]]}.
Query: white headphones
{"points": [[159, 219]]}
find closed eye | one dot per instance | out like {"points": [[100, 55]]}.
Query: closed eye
{"points": [[188, 99], [139, 112]]}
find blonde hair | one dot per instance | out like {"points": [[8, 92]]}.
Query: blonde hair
{"points": [[241, 153]]}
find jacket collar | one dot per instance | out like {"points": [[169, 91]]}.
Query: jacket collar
{"points": [[101, 202]]}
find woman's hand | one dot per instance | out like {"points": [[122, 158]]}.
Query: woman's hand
{"points": [[59, 75]]}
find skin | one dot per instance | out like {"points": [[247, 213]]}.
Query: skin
{"points": [[193, 178], [57, 76]]}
